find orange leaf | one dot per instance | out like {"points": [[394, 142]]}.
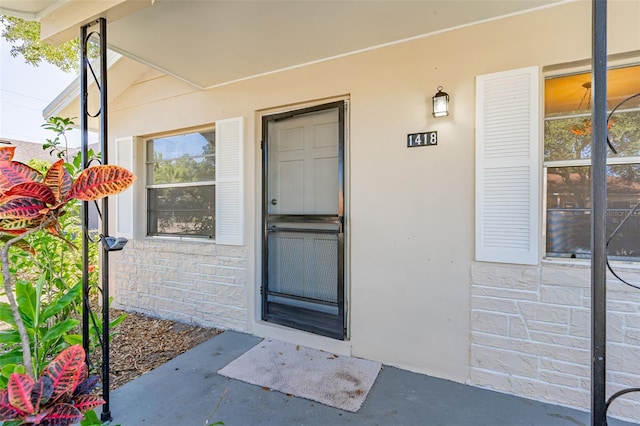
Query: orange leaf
{"points": [[19, 224], [22, 244], [100, 181], [14, 172], [58, 180], [6, 153], [36, 190], [54, 229], [13, 231], [22, 208]]}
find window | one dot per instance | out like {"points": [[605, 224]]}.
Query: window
{"points": [[181, 185], [567, 159]]}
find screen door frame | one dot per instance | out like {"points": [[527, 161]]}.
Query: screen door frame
{"points": [[297, 317]]}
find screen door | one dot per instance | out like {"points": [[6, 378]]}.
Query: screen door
{"points": [[303, 218]]}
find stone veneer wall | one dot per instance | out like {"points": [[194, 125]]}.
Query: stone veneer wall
{"points": [[194, 282], [530, 333]]}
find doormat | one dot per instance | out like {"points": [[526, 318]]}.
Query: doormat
{"points": [[334, 380]]}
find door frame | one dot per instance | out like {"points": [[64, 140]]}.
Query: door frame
{"points": [[341, 106]]}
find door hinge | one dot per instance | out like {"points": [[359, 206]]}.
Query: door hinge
{"points": [[261, 144]]}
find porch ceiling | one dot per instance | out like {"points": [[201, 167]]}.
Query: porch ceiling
{"points": [[210, 43]]}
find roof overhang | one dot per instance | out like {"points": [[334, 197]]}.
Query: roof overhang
{"points": [[61, 19], [212, 43]]}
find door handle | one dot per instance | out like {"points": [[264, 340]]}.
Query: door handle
{"points": [[274, 202]]}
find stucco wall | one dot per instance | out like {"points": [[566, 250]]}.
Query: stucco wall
{"points": [[530, 329], [410, 212]]}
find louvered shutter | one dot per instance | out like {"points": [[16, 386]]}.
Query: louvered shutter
{"points": [[507, 167], [229, 183], [125, 205]]}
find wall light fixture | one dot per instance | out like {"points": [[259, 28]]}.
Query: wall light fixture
{"points": [[440, 103]]}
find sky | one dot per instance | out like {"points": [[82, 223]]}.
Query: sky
{"points": [[25, 91]]}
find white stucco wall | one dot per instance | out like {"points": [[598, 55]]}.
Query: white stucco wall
{"points": [[530, 329], [190, 282], [417, 298]]}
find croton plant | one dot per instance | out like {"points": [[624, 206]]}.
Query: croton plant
{"points": [[30, 202], [59, 397]]}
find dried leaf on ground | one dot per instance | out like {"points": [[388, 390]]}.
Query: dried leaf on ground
{"points": [[143, 343]]}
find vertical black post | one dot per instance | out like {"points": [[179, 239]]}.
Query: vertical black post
{"points": [[104, 270], [84, 212], [598, 214]]}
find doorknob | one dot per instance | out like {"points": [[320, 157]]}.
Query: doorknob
{"points": [[274, 202]]}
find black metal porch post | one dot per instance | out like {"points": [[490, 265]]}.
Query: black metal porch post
{"points": [[598, 214], [84, 213], [103, 137], [104, 270]]}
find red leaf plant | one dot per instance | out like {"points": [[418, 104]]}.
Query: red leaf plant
{"points": [[30, 200], [59, 397]]}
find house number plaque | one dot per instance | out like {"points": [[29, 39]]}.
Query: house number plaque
{"points": [[422, 139]]}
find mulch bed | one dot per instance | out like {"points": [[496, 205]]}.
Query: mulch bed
{"points": [[143, 343]]}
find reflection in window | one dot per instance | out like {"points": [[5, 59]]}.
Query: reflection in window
{"points": [[569, 214], [567, 153], [181, 185], [569, 138]]}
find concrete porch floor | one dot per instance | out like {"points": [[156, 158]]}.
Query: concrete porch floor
{"points": [[187, 391]]}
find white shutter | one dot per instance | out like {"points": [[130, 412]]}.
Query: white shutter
{"points": [[229, 184], [507, 167], [125, 205]]}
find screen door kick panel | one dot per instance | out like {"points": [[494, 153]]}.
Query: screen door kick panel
{"points": [[303, 240]]}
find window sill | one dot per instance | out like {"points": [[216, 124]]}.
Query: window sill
{"points": [[565, 261], [586, 263], [180, 238]]}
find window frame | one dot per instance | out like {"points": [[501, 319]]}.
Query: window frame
{"points": [[205, 183], [580, 162]]}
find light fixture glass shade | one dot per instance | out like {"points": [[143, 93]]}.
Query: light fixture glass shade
{"points": [[440, 103]]}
